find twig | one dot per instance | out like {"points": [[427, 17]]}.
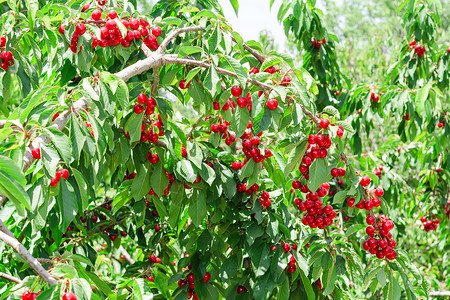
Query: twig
{"points": [[172, 35], [155, 82], [251, 51], [126, 254], [189, 136], [146, 50], [10, 278], [45, 261], [32, 262], [440, 294]]}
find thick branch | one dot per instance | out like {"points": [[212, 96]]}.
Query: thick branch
{"points": [[32, 262], [155, 82], [10, 278], [173, 34], [440, 294]]}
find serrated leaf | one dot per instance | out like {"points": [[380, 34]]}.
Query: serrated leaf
{"points": [[318, 174], [238, 69], [295, 157], [197, 208]]}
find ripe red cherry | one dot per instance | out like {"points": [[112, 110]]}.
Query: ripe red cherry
{"points": [[190, 277], [2, 41], [236, 91], [271, 70], [138, 109], [335, 172], [286, 247], [296, 184], [370, 220], [388, 225], [324, 123], [156, 31], [157, 228], [113, 237], [53, 182], [36, 152], [272, 104], [183, 84], [142, 98], [365, 181], [241, 289], [206, 277], [370, 230], [242, 102], [69, 296], [154, 159], [96, 14], [61, 28], [379, 192], [26, 295], [112, 14], [382, 243], [254, 70], [65, 174], [80, 29]]}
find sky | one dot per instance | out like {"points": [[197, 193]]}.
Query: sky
{"points": [[254, 16]]}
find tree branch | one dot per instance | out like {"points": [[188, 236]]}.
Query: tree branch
{"points": [[10, 278], [193, 127], [32, 262], [155, 82], [173, 34], [250, 50], [440, 294], [126, 254]]}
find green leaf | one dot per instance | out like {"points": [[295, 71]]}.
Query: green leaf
{"points": [[186, 170], [240, 120], [381, 276], [229, 268], [194, 153], [354, 228], [239, 41], [215, 39], [197, 207], [330, 280], [82, 187], [238, 69], [15, 192], [77, 137], [50, 158], [207, 173], [176, 198], [307, 285], [61, 143], [67, 203], [270, 61], [421, 97], [340, 197], [235, 5], [142, 182], [133, 126], [260, 257], [295, 157], [247, 170], [10, 167], [159, 180], [211, 80], [318, 174]]}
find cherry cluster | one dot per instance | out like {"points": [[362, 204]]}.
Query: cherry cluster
{"points": [[6, 56], [429, 224], [190, 278], [372, 202], [406, 117], [374, 97], [316, 215], [318, 43], [319, 150], [378, 171], [28, 295], [265, 199], [110, 34], [441, 124], [242, 187], [64, 173], [418, 49], [380, 242], [223, 129]]}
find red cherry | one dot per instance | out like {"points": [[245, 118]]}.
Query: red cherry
{"points": [[272, 104], [324, 123], [96, 14], [53, 182], [382, 243], [36, 152], [379, 192], [65, 174], [190, 277], [154, 159], [236, 91], [69, 296], [335, 172], [156, 31], [142, 98], [157, 228], [286, 247], [242, 102], [206, 277], [26, 295], [183, 84], [365, 181], [61, 28], [254, 70], [2, 41], [112, 14], [271, 70], [80, 29], [370, 230], [85, 7], [370, 220], [113, 237], [241, 289], [138, 109]]}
